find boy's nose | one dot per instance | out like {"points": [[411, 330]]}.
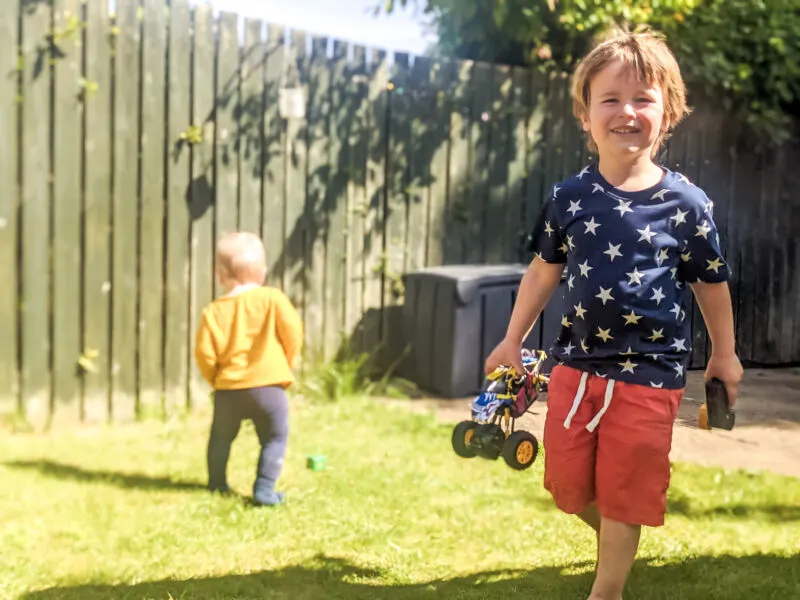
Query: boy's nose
{"points": [[627, 110]]}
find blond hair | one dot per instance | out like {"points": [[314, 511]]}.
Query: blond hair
{"points": [[241, 257], [653, 63]]}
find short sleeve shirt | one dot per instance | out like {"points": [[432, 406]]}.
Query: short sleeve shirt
{"points": [[629, 257]]}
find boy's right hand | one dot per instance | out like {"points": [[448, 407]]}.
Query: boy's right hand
{"points": [[507, 353]]}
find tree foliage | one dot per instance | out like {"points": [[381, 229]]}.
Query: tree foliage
{"points": [[745, 52]]}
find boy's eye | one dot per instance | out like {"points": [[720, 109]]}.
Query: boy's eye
{"points": [[609, 100], [643, 100]]}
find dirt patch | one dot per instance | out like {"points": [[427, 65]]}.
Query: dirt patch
{"points": [[766, 435]]}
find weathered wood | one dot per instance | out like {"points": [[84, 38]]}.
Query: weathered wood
{"points": [[494, 228], [35, 384], [124, 281], [356, 162], [9, 208], [317, 209], [537, 181], [66, 252], [151, 237], [338, 239], [96, 317], [207, 202], [227, 109], [274, 160], [179, 211], [250, 137], [458, 192], [423, 140], [438, 146], [295, 230], [520, 112], [474, 241]]}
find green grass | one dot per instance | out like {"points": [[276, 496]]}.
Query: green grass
{"points": [[120, 513]]}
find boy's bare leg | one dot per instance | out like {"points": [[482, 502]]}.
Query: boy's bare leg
{"points": [[591, 516], [619, 543]]}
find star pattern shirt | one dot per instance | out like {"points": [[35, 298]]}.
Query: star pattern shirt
{"points": [[629, 259]]}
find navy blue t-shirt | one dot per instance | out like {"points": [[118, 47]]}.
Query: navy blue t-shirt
{"points": [[629, 257]]}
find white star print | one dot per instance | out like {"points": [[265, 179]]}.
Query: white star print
{"points": [[656, 385], [583, 172], [623, 207], [685, 179], [548, 229], [579, 311], [679, 369], [585, 268], [653, 356], [574, 207], [628, 366], [679, 217], [673, 271], [605, 295], [686, 256], [568, 349], [658, 295], [646, 235], [660, 195], [584, 347], [679, 344], [714, 265], [628, 352], [597, 188], [591, 226], [662, 256], [555, 191], [632, 319], [635, 277], [604, 334], [565, 322], [683, 315], [657, 335], [570, 242], [564, 248], [676, 308], [571, 281], [613, 251], [703, 230]]}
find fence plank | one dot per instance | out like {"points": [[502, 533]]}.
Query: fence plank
{"points": [[458, 198], [357, 132], [178, 216], [474, 242], [494, 230], [125, 251], [399, 100], [297, 150], [438, 146], [423, 141], [151, 239], [317, 211], [35, 298], [536, 178], [521, 109], [66, 254], [374, 226], [204, 195], [250, 137], [97, 216], [227, 109], [9, 209], [274, 160], [336, 286]]}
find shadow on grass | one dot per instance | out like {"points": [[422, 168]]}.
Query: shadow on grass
{"points": [[706, 578], [124, 480]]}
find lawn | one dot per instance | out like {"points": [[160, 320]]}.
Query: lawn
{"points": [[120, 513]]}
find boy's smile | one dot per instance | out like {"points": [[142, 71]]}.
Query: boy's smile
{"points": [[626, 115]]}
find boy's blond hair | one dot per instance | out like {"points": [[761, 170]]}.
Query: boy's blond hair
{"points": [[652, 61], [241, 257]]}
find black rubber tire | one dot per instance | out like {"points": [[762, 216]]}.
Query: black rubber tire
{"points": [[520, 450], [461, 436]]}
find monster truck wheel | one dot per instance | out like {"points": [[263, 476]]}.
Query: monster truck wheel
{"points": [[520, 450], [462, 434]]}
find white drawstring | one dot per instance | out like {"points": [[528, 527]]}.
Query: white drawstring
{"points": [[579, 398], [577, 402], [606, 403]]}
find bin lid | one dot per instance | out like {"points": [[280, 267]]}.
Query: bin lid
{"points": [[468, 279]]}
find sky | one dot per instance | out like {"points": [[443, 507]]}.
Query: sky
{"points": [[346, 20]]}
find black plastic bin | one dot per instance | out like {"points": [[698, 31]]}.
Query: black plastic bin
{"points": [[454, 316]]}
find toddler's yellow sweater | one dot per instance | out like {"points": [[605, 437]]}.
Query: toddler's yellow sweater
{"points": [[249, 340]]}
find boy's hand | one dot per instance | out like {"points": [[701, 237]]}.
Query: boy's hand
{"points": [[727, 369], [507, 353]]}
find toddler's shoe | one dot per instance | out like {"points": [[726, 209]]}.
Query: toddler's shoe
{"points": [[268, 498]]}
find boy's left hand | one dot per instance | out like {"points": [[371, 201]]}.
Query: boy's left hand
{"points": [[727, 369]]}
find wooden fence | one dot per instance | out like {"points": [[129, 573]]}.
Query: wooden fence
{"points": [[129, 142]]}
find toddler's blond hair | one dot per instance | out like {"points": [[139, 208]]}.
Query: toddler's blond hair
{"points": [[241, 257], [652, 61]]}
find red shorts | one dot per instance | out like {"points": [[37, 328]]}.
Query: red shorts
{"points": [[622, 464]]}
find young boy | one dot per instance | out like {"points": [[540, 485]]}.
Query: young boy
{"points": [[245, 347], [633, 235]]}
